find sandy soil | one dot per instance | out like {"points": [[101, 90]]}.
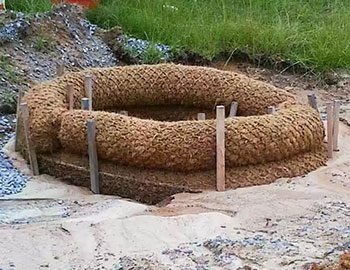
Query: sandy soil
{"points": [[284, 225]]}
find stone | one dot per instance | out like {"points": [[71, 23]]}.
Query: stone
{"points": [[345, 260]]}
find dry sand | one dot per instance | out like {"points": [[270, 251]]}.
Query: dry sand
{"points": [[284, 225]]}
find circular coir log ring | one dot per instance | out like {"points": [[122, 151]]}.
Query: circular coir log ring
{"points": [[185, 145]]}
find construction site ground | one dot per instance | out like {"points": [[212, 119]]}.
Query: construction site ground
{"points": [[298, 223], [289, 224]]}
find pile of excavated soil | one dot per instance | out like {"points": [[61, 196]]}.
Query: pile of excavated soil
{"points": [[31, 47]]}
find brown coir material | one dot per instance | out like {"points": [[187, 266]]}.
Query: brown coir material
{"points": [[190, 145], [181, 146], [152, 186]]}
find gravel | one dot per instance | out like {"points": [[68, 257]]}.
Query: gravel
{"points": [[137, 48], [71, 40], [12, 181], [31, 47], [321, 236], [13, 30]]}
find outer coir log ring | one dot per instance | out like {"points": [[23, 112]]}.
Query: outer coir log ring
{"points": [[183, 145]]}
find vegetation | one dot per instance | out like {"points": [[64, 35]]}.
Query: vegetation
{"points": [[29, 6], [312, 33], [7, 69], [152, 55], [308, 32], [8, 101], [43, 43]]}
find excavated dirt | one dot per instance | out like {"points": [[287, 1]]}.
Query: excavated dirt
{"points": [[31, 48]]}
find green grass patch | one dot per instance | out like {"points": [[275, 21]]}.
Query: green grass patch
{"points": [[313, 33], [29, 6]]}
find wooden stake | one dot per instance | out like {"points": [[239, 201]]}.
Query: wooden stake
{"points": [[330, 129], [85, 103], [201, 116], [19, 100], [70, 97], [30, 148], [94, 176], [336, 111], [220, 148], [60, 70], [271, 109], [233, 109], [312, 101], [88, 89]]}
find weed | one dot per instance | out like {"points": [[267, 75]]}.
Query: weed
{"points": [[149, 55], [8, 99], [130, 52], [152, 55], [4, 60], [8, 102], [8, 69], [42, 43]]}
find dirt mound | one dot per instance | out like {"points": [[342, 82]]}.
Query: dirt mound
{"points": [[32, 46]]}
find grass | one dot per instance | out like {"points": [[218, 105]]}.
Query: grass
{"points": [[313, 33], [29, 6], [310, 33], [152, 55], [8, 69], [43, 43]]}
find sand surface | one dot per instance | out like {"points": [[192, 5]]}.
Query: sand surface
{"points": [[284, 225]]}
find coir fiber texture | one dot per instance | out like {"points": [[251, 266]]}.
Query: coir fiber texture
{"points": [[252, 138]]}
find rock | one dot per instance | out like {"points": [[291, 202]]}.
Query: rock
{"points": [[111, 36], [71, 39], [13, 30], [12, 181], [8, 108], [331, 78], [311, 266], [137, 51], [345, 260], [246, 267]]}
